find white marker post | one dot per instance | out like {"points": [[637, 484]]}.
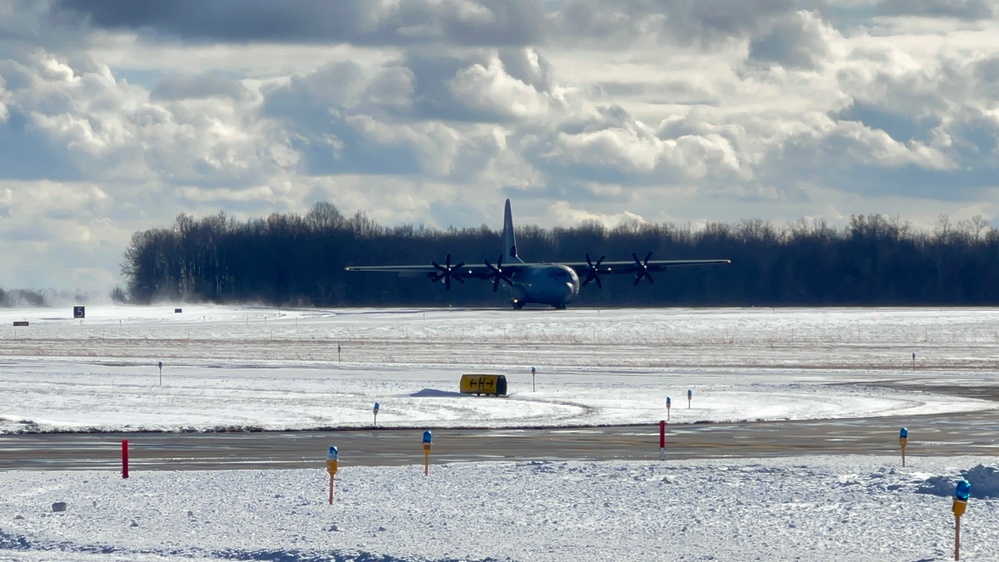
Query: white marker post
{"points": [[533, 372], [376, 413], [690, 395], [332, 464], [337, 353], [668, 403], [161, 373]]}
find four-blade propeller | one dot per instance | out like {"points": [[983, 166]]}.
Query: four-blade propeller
{"points": [[593, 273], [497, 273], [643, 268], [447, 272]]}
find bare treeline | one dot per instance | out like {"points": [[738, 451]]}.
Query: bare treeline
{"points": [[18, 297], [299, 260]]}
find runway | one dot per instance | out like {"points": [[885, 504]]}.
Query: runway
{"points": [[958, 434]]}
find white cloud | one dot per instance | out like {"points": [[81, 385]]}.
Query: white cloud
{"points": [[64, 229], [435, 144], [562, 212], [264, 194], [798, 40], [633, 147], [672, 110], [491, 89]]}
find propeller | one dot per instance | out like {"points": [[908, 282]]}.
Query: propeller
{"points": [[593, 273], [447, 272], [497, 273], [643, 269]]}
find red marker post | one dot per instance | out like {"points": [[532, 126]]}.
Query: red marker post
{"points": [[662, 440], [124, 458]]}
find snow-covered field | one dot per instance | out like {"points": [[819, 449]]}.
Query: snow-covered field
{"points": [[815, 508], [298, 369], [281, 369]]}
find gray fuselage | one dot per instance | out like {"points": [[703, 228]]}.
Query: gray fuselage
{"points": [[552, 284]]}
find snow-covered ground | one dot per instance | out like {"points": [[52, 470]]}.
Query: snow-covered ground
{"points": [[279, 369], [811, 508]]}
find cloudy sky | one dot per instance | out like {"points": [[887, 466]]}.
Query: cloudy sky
{"points": [[116, 116]]}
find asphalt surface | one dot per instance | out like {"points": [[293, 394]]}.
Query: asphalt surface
{"points": [[975, 433], [969, 433]]}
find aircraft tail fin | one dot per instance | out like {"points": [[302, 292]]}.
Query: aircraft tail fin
{"points": [[509, 242]]}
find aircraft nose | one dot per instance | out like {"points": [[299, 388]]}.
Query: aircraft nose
{"points": [[571, 290]]}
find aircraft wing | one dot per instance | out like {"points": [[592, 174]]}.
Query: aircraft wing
{"points": [[482, 271], [614, 267], [473, 271], [588, 270], [642, 269], [446, 272]]}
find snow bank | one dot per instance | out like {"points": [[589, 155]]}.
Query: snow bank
{"points": [[800, 508], [984, 482]]}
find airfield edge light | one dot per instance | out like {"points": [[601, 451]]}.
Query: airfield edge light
{"points": [[961, 494], [428, 441], [332, 464], [903, 440]]}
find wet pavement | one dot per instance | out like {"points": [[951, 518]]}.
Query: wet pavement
{"points": [[971, 433]]}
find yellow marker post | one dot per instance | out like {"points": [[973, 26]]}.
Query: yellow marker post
{"points": [[961, 496], [428, 441], [903, 440], [332, 462]]}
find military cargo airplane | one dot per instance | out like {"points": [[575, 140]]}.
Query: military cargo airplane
{"points": [[552, 284]]}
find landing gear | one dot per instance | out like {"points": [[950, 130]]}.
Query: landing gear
{"points": [[559, 306], [518, 305]]}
